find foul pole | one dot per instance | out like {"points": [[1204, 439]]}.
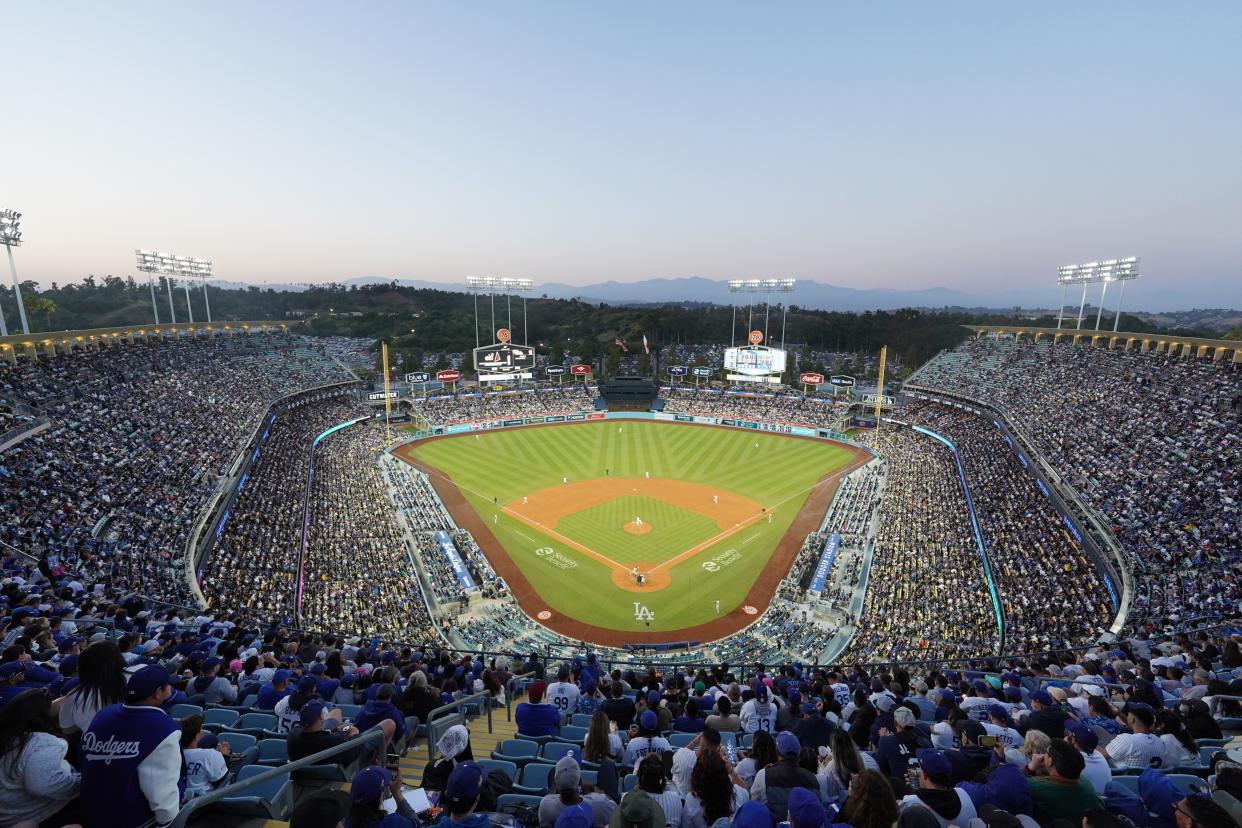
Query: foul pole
{"points": [[879, 394]]}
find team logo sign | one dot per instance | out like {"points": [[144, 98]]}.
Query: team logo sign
{"points": [[756, 337], [641, 613], [544, 615], [749, 610], [503, 335]]}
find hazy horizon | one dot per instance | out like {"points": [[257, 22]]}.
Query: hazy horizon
{"points": [[905, 147]]}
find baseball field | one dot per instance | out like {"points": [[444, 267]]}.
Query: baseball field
{"points": [[636, 532]]}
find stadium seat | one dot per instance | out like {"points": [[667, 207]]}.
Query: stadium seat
{"points": [[539, 739], [238, 742], [509, 769], [219, 717], [349, 711], [573, 733], [267, 800], [533, 779], [580, 720], [506, 801], [629, 783], [180, 711], [259, 725], [553, 751], [518, 751], [273, 752], [681, 740]]}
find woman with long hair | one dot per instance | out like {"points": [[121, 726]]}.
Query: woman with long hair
{"points": [[101, 682], [1179, 745], [843, 762], [713, 794], [871, 803], [601, 743], [37, 785], [1199, 719], [761, 754]]}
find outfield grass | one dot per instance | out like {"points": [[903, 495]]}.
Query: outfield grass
{"points": [[777, 472]]}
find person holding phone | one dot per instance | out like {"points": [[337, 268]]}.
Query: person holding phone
{"points": [[897, 750], [951, 806]]}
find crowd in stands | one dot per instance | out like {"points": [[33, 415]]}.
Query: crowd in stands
{"points": [[140, 435], [778, 407], [253, 564], [1033, 556], [358, 573], [1152, 442], [926, 594], [475, 405]]}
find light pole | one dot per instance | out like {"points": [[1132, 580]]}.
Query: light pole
{"points": [[10, 237], [492, 285], [171, 266], [154, 308]]}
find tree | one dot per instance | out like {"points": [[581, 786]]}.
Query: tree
{"points": [[43, 305]]}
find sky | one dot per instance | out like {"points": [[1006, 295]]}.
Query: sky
{"points": [[975, 146]]}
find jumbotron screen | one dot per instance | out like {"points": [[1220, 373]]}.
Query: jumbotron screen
{"points": [[755, 361]]}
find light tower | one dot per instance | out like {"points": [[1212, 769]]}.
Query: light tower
{"points": [[10, 237], [766, 287], [171, 266], [492, 285], [1111, 270]]}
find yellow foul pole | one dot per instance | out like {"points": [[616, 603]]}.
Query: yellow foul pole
{"points": [[388, 402], [879, 394]]}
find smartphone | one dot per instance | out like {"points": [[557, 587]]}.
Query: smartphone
{"points": [[612, 726], [729, 741], [987, 741], [912, 774]]}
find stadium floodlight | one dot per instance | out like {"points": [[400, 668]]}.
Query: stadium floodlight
{"points": [[508, 285], [10, 237], [173, 266], [1110, 270], [766, 287]]}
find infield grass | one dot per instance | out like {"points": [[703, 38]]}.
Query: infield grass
{"points": [[776, 471]]}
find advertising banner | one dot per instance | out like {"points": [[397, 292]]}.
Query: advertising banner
{"points": [[701, 371], [841, 381], [459, 566], [811, 379], [448, 376], [676, 370], [554, 370], [826, 557], [580, 370], [417, 376]]}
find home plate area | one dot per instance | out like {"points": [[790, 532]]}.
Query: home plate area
{"points": [[661, 522]]}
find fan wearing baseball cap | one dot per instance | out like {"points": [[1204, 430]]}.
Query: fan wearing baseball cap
{"points": [[645, 738], [535, 717], [367, 792], [461, 797], [774, 783], [951, 806], [132, 773]]}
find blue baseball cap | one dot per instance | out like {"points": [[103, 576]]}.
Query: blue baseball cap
{"points": [[575, 816], [997, 711], [307, 684], [787, 744], [67, 644], [752, 815], [1083, 735], [317, 668], [311, 712], [464, 783], [935, 763], [1042, 697], [805, 809], [649, 720], [369, 784], [653, 698], [145, 682], [281, 675], [11, 668]]}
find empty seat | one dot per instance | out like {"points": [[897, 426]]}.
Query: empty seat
{"points": [[267, 800]]}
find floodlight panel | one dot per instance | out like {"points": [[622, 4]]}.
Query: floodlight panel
{"points": [[10, 228]]}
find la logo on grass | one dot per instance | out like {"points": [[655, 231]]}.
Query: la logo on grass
{"points": [[641, 613]]}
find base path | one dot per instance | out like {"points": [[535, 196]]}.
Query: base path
{"points": [[761, 591]]}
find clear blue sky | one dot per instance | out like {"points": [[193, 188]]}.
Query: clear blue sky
{"points": [[974, 146]]}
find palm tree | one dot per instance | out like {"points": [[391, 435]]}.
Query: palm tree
{"points": [[45, 306]]}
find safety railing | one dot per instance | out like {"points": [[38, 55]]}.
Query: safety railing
{"points": [[375, 736], [437, 723]]}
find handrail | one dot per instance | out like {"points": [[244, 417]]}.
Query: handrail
{"points": [[375, 735], [509, 692], [459, 717]]}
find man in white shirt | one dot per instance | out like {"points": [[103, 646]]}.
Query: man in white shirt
{"points": [[1140, 749], [976, 704], [563, 694], [206, 763], [1096, 770]]}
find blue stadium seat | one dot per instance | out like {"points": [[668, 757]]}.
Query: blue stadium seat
{"points": [[533, 779], [273, 752], [629, 783], [239, 742], [518, 751], [509, 769], [219, 717], [681, 740], [580, 720], [180, 711], [553, 751], [267, 800], [573, 733]]}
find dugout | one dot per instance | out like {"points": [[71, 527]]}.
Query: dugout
{"points": [[628, 393]]}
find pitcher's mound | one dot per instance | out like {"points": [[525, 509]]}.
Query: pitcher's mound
{"points": [[638, 528]]}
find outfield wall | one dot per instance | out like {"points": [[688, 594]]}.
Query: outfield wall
{"points": [[772, 426]]}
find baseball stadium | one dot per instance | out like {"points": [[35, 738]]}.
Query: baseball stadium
{"points": [[621, 415]]}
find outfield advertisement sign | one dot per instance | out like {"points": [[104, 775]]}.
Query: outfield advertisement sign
{"points": [[459, 566], [554, 370], [701, 371], [826, 557]]}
